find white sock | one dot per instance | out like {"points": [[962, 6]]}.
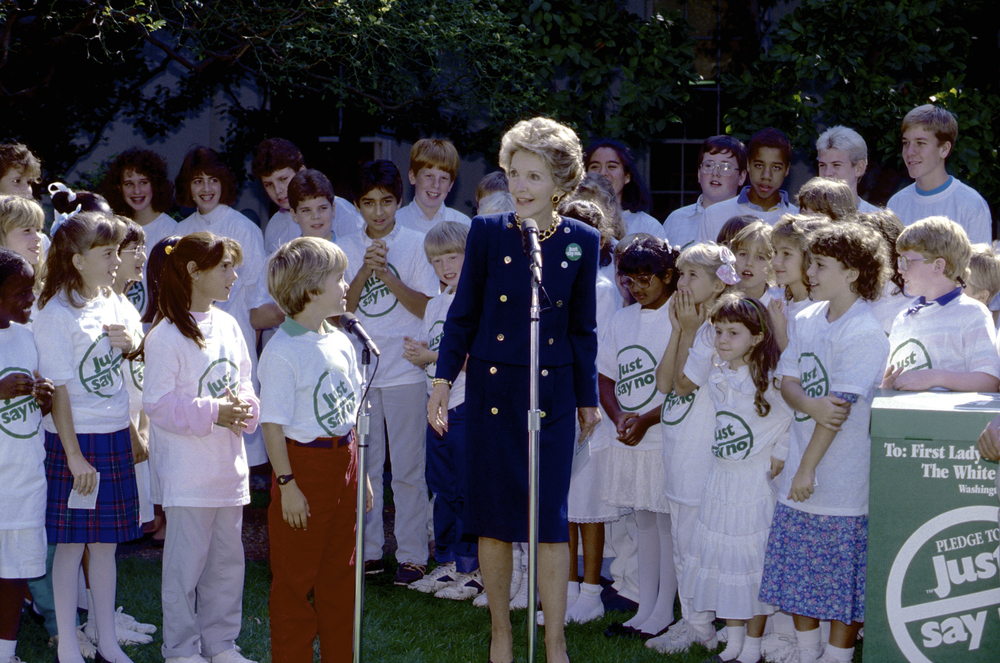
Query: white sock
{"points": [[751, 650], [809, 644], [573, 590], [84, 599], [588, 606], [7, 649], [838, 654], [734, 645]]}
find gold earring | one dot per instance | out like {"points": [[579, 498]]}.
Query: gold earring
{"points": [[555, 199]]}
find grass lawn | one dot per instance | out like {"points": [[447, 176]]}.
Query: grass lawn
{"points": [[401, 625]]}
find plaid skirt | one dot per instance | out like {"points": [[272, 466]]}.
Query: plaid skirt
{"points": [[116, 518]]}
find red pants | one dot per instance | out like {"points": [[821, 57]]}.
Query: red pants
{"points": [[319, 559]]}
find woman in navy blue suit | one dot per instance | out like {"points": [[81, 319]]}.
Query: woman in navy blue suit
{"points": [[488, 323]]}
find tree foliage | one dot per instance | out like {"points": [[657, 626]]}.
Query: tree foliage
{"points": [[462, 68], [865, 64], [610, 72]]}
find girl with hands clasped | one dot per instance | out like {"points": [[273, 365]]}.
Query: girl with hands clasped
{"points": [[80, 340], [723, 567], [199, 399], [816, 555], [626, 364]]}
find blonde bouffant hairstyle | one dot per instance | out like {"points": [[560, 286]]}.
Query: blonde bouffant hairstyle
{"points": [[554, 143]]}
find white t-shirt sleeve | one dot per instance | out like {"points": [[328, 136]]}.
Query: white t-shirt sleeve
{"points": [[698, 366]]}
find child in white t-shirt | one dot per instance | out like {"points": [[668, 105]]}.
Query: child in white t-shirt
{"points": [[310, 395], [457, 558], [390, 285], [81, 337], [25, 397], [627, 362], [723, 569], [706, 271], [790, 239], [816, 556], [199, 398], [945, 339]]}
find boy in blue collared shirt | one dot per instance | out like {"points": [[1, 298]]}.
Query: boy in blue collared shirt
{"points": [[946, 339]]}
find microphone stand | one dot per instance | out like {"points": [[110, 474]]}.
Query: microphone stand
{"points": [[534, 433], [364, 425]]}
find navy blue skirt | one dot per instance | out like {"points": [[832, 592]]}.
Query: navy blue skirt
{"points": [[116, 518], [496, 410]]}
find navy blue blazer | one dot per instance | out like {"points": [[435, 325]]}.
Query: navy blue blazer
{"points": [[489, 318]]}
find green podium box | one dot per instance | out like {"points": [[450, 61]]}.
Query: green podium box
{"points": [[933, 583]]}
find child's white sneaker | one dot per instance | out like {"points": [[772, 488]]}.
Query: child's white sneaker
{"points": [[125, 636], [436, 580], [680, 638], [779, 648], [587, 607], [127, 621], [520, 601], [465, 587], [196, 658], [231, 656], [88, 648]]}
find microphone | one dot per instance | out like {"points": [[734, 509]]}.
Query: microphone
{"points": [[532, 247], [350, 324]]}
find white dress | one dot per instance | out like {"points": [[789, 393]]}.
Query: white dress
{"points": [[726, 560]]}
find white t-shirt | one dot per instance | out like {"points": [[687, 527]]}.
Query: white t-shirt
{"points": [[889, 305], [685, 422], [740, 432], [413, 217], [957, 336], [310, 383], [866, 207], [847, 356], [22, 448], [681, 227], [958, 202], [74, 351], [133, 369], [433, 330], [381, 314], [193, 461], [717, 215], [629, 353], [158, 229], [640, 222], [281, 228]]}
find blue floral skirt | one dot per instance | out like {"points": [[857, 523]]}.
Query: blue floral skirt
{"points": [[815, 565]]}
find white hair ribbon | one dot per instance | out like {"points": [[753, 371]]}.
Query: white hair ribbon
{"points": [[63, 218], [56, 187], [727, 270]]}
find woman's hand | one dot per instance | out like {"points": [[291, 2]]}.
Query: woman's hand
{"points": [[989, 440], [589, 417], [84, 474], [369, 495], [233, 413], [437, 408]]}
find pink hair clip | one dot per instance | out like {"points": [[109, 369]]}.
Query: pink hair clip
{"points": [[727, 270]]}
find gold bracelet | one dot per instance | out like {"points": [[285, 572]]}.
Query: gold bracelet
{"points": [[436, 381]]}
